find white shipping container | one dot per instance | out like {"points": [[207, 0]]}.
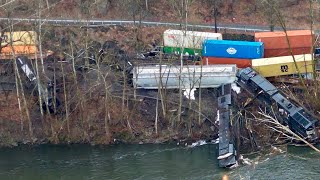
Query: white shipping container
{"points": [[188, 39]]}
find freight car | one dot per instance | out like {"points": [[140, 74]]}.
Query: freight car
{"points": [[50, 102], [192, 76], [299, 121], [269, 55], [20, 43], [19, 38]]}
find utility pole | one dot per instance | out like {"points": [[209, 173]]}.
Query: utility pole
{"points": [[215, 15]]}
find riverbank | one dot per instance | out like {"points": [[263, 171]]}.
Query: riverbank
{"points": [[99, 105]]}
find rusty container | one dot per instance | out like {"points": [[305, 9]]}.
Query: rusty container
{"points": [[241, 63]]}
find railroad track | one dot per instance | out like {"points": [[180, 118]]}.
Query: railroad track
{"points": [[101, 23]]}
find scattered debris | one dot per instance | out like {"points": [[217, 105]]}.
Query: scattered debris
{"points": [[189, 93]]}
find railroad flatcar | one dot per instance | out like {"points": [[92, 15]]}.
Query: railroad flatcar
{"points": [[190, 41]]}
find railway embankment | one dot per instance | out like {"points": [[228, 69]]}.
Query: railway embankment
{"points": [[99, 104]]}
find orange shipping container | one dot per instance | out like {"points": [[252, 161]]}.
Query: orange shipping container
{"points": [[278, 40], [241, 63], [19, 50], [285, 52]]}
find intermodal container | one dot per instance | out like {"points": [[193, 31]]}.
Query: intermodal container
{"points": [[286, 52], [241, 63], [19, 38], [284, 65], [233, 49], [278, 40], [178, 50], [18, 50], [175, 40]]}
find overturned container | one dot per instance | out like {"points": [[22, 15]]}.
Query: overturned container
{"points": [[194, 76], [233, 49]]}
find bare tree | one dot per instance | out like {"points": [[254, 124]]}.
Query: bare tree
{"points": [[282, 21], [276, 126]]}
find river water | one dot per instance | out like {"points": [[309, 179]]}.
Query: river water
{"points": [[148, 162]]}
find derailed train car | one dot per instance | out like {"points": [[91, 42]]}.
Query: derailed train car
{"points": [[299, 121], [21, 43], [192, 76]]}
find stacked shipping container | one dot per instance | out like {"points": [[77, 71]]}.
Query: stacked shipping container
{"points": [[276, 43], [190, 41], [241, 63], [18, 43], [231, 52], [273, 45], [278, 59], [283, 65]]}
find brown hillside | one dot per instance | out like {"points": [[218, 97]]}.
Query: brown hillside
{"points": [[296, 12]]}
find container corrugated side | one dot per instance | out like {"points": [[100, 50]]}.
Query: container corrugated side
{"points": [[18, 50], [177, 50], [233, 49], [278, 40], [284, 65], [285, 52], [19, 38], [241, 63], [188, 39]]}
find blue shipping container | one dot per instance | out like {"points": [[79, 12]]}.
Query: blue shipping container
{"points": [[233, 49]]}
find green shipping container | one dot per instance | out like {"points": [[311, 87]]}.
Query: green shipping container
{"points": [[177, 50]]}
